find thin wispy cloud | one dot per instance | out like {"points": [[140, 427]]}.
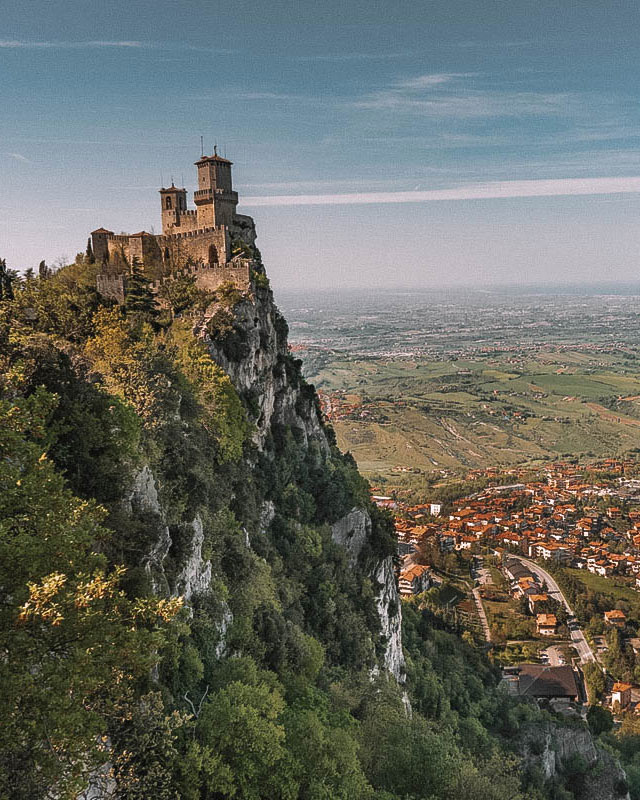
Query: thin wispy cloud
{"points": [[449, 95], [106, 44], [353, 57], [507, 44], [19, 157], [430, 80], [270, 96], [475, 191], [246, 96], [25, 44]]}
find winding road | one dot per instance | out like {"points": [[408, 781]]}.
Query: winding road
{"points": [[577, 636]]}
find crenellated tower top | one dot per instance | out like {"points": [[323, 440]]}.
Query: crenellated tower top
{"points": [[214, 198]]}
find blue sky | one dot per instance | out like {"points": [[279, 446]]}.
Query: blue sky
{"points": [[392, 143]]}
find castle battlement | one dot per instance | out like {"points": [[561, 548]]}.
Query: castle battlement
{"points": [[186, 234], [238, 272], [197, 240]]}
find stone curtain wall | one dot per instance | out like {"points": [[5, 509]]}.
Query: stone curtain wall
{"points": [[211, 279], [195, 245], [112, 286]]}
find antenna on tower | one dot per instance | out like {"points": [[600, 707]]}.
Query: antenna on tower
{"points": [[202, 147], [161, 180]]}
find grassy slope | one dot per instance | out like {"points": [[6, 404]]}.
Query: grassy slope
{"points": [[606, 586], [462, 413]]}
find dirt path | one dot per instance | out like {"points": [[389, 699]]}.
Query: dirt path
{"points": [[482, 614]]}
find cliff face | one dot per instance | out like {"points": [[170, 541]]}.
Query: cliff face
{"points": [[560, 751], [352, 532], [277, 398], [262, 371], [266, 375]]}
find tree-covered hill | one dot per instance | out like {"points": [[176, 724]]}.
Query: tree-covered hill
{"points": [[196, 595]]}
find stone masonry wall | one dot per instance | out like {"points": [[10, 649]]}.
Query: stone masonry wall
{"points": [[195, 245]]}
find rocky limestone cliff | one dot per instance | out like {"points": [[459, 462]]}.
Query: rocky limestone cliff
{"points": [[352, 532], [271, 386], [264, 374], [555, 750], [262, 371]]}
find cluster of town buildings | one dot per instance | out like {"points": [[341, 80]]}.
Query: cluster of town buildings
{"points": [[585, 517]]}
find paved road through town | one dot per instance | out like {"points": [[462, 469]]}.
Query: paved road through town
{"points": [[577, 636]]}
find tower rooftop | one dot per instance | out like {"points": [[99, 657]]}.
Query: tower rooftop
{"points": [[214, 157]]}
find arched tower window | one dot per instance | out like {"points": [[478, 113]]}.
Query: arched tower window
{"points": [[168, 202], [166, 254], [213, 255]]}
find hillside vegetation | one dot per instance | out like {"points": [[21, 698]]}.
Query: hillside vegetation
{"points": [[177, 620]]}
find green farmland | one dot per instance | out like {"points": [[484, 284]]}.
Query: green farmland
{"points": [[497, 411]]}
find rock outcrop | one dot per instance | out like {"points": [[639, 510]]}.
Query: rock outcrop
{"points": [[271, 385], [352, 532], [262, 373], [557, 749]]}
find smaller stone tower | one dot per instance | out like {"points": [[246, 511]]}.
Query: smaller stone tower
{"points": [[100, 244], [174, 203], [215, 199]]}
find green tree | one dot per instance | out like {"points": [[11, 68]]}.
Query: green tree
{"points": [[407, 757], [182, 293], [595, 680], [222, 412], [6, 288], [144, 751], [324, 747], [600, 720], [139, 297], [241, 748]]}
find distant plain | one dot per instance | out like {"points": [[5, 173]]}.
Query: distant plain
{"points": [[436, 381]]}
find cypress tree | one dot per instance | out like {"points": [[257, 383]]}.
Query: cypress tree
{"points": [[6, 290], [139, 296]]}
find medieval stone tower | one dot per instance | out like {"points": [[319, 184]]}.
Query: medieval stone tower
{"points": [[215, 199]]}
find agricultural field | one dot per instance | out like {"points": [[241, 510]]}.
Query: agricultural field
{"points": [[434, 415], [416, 387]]}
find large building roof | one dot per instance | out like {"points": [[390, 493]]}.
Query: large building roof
{"points": [[538, 680]]}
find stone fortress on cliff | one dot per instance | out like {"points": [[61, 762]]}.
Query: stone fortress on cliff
{"points": [[201, 241]]}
